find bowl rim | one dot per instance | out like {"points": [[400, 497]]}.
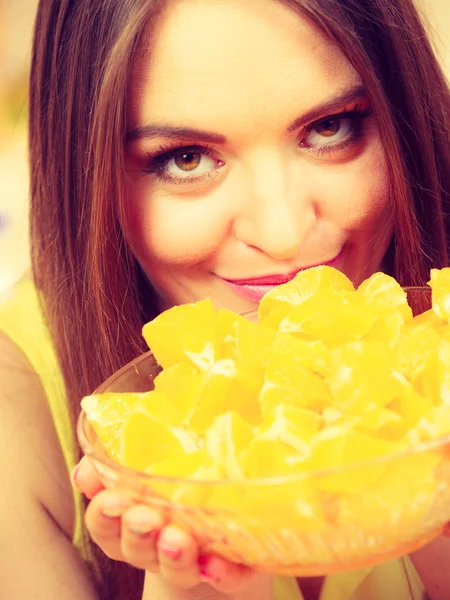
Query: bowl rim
{"points": [[421, 448]]}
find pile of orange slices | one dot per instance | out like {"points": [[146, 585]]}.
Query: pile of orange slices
{"points": [[327, 377]]}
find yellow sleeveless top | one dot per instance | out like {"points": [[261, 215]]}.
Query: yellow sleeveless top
{"points": [[21, 320]]}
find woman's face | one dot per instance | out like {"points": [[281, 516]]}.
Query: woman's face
{"points": [[251, 154]]}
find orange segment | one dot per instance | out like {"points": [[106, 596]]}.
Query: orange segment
{"points": [[333, 319], [305, 352], [388, 327], [163, 409], [381, 422], [179, 466], [382, 293], [196, 467], [145, 441], [288, 381], [271, 458], [107, 413], [269, 505], [306, 284], [226, 386], [176, 390], [185, 333], [225, 333], [295, 426], [225, 441], [411, 406], [361, 375], [340, 446], [434, 425], [434, 382], [253, 344], [440, 285], [415, 348]]}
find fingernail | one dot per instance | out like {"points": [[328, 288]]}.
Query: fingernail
{"points": [[74, 474], [141, 529], [114, 509], [204, 564], [172, 553]]}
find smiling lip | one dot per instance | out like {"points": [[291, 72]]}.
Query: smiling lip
{"points": [[255, 288]]}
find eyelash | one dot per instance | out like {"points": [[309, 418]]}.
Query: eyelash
{"points": [[357, 116], [157, 162]]}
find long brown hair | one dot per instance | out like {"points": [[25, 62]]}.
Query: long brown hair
{"points": [[96, 296]]}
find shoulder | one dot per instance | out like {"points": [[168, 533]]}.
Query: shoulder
{"points": [[28, 438]]}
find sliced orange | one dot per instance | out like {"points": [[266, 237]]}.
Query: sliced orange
{"points": [[411, 406], [440, 286], [288, 381], [107, 413], [225, 441], [434, 425], [332, 377], [388, 327], [179, 466], [307, 283], [185, 333], [382, 292], [195, 467], [434, 381], [295, 426], [383, 423], [428, 319], [268, 506], [225, 324], [253, 344], [175, 395], [415, 347], [271, 458], [400, 499], [361, 375], [226, 386], [333, 319], [305, 352], [144, 441], [340, 446]]}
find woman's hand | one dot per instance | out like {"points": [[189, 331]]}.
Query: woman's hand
{"points": [[137, 534]]}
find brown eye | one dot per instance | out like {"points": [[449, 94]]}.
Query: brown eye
{"points": [[330, 132], [328, 128], [188, 161]]}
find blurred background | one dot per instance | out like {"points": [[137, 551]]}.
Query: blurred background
{"points": [[16, 24]]}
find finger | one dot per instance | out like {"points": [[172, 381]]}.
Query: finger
{"points": [[85, 478], [224, 576], [141, 527], [103, 520], [178, 555]]}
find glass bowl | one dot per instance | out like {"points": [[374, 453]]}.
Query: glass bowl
{"points": [[296, 525]]}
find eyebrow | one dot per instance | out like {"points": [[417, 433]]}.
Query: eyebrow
{"points": [[180, 133], [187, 133], [357, 92]]}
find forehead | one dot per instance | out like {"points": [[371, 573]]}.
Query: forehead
{"points": [[216, 63]]}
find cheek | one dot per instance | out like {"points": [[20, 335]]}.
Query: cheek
{"points": [[357, 195], [174, 231]]}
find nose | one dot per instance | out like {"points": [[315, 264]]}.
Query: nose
{"points": [[277, 213]]}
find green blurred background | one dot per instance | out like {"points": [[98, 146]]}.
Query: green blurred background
{"points": [[16, 25]]}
